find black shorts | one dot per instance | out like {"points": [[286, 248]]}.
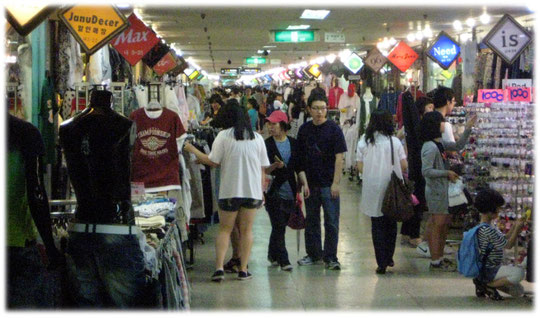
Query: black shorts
{"points": [[234, 204]]}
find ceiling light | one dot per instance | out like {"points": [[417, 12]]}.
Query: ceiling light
{"points": [[123, 5], [458, 26], [298, 27], [269, 46], [485, 18], [470, 22], [411, 37], [392, 41], [331, 58], [314, 14], [320, 60], [343, 55], [427, 31], [419, 35]]}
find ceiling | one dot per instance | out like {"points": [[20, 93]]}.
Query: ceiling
{"points": [[238, 32]]}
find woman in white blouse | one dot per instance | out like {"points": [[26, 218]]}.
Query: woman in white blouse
{"points": [[373, 156]]}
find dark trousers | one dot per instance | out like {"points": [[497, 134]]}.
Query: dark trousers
{"points": [[384, 232], [411, 227], [279, 211]]}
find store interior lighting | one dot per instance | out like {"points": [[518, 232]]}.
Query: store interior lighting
{"points": [[485, 18], [331, 58], [298, 27], [314, 14], [343, 55], [470, 22], [123, 6], [457, 25], [411, 37]]}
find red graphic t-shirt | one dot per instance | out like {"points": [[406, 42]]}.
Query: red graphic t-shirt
{"points": [[155, 157]]}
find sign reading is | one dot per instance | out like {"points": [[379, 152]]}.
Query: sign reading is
{"points": [[508, 39]]}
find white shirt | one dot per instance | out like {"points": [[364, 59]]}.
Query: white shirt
{"points": [[241, 163], [377, 170], [448, 134]]}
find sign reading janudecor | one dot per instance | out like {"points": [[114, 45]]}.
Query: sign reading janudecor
{"points": [[402, 56], [135, 41], [444, 50], [375, 60], [508, 39], [93, 26]]}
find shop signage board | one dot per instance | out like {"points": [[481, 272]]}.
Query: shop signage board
{"points": [[375, 60], [402, 56], [508, 39], [490, 95], [229, 71], [334, 37], [93, 26], [354, 77], [255, 60], [314, 70], [135, 41], [275, 61], [26, 17], [250, 70], [519, 94], [444, 50], [518, 82], [354, 63], [164, 65], [294, 36]]}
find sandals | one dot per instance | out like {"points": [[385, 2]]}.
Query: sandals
{"points": [[483, 290]]}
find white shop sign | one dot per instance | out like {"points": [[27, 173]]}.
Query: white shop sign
{"points": [[334, 37], [275, 61], [508, 39], [519, 82]]}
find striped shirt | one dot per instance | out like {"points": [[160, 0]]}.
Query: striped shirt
{"points": [[489, 234]]}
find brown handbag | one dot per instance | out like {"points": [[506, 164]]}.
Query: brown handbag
{"points": [[397, 202]]}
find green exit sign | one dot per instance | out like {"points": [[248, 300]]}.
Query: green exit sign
{"points": [[255, 60], [294, 36]]}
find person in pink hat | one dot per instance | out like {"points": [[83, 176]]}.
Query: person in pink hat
{"points": [[281, 194]]}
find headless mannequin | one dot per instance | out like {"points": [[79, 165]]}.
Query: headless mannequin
{"points": [[97, 145]]}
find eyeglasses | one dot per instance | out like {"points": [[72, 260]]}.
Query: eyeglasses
{"points": [[319, 108]]}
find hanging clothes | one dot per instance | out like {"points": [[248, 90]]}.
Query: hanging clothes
{"points": [[182, 104], [333, 97], [70, 67], [193, 105], [171, 101], [399, 110], [351, 139], [368, 105], [389, 100], [350, 104], [141, 95], [47, 110], [24, 52]]}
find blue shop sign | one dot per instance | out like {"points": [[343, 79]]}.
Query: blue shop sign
{"points": [[444, 50]]}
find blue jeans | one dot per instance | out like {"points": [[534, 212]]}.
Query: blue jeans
{"points": [[322, 197], [108, 270]]}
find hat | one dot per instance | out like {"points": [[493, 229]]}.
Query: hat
{"points": [[277, 116]]}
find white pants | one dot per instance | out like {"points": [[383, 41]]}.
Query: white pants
{"points": [[514, 274]]}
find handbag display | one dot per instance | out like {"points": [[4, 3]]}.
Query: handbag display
{"points": [[297, 220], [397, 203]]}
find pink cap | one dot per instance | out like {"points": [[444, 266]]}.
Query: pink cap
{"points": [[276, 116]]}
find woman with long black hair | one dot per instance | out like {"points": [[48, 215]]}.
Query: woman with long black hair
{"points": [[374, 160], [241, 153]]}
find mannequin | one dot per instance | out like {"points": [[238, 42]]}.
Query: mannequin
{"points": [[334, 95], [348, 104], [367, 106], [97, 146]]}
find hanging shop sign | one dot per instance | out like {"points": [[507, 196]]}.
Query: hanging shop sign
{"points": [[334, 37], [250, 70], [155, 54], [375, 60], [402, 56], [444, 50], [275, 61], [193, 74], [314, 70], [26, 17], [181, 65], [354, 77], [519, 94], [255, 60], [490, 95], [354, 63], [200, 77], [93, 26], [229, 71], [508, 39], [135, 41], [294, 36], [518, 82], [164, 65]]}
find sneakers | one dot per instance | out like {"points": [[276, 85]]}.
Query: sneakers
{"points": [[272, 261], [218, 276], [445, 265], [423, 250], [307, 260], [244, 275], [287, 267], [380, 270], [232, 266], [334, 265]]}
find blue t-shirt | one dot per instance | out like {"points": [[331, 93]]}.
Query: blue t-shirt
{"points": [[284, 148], [253, 116], [318, 146]]}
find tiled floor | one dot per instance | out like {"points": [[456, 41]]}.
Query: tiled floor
{"points": [[409, 285]]}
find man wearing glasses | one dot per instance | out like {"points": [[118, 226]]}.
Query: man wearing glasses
{"points": [[322, 146]]}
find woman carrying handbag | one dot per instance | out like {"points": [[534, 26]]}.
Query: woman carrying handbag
{"points": [[374, 160]]}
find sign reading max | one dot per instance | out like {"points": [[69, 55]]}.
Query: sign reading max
{"points": [[135, 41], [444, 50]]}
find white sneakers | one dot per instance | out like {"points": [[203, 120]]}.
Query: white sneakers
{"points": [[423, 250]]}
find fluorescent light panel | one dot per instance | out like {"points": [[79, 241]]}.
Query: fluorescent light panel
{"points": [[314, 14], [298, 27]]}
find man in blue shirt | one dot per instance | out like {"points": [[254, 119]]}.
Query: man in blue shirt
{"points": [[322, 145]]}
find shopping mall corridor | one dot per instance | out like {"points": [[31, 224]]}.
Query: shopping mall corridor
{"points": [[409, 285]]}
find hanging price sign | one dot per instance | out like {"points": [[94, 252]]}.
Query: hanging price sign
{"points": [[135, 41], [375, 60], [402, 56], [519, 94], [508, 39], [164, 65], [93, 26], [490, 96]]}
